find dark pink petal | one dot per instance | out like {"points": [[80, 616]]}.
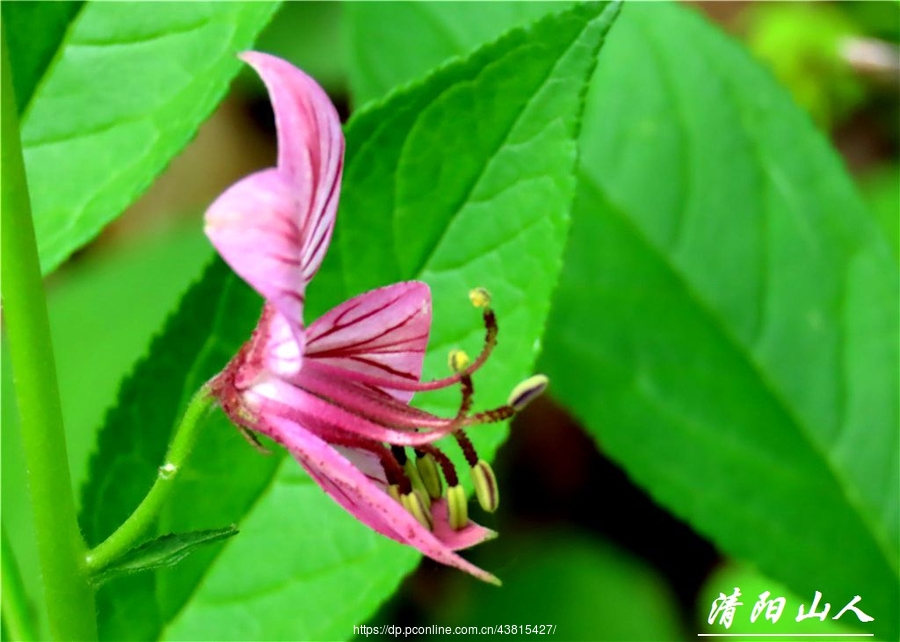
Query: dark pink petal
{"points": [[252, 225], [382, 332], [310, 153], [271, 396], [366, 500]]}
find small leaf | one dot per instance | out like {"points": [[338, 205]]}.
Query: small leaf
{"points": [[166, 550], [124, 90]]}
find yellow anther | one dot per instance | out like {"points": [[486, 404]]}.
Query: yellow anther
{"points": [[527, 391], [480, 297], [485, 486], [412, 472], [415, 506], [458, 360], [457, 511], [431, 478], [394, 491]]}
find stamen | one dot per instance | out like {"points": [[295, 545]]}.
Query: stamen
{"points": [[429, 473], [392, 470], [458, 360], [413, 504], [457, 509], [412, 473], [467, 448], [480, 297], [527, 391], [418, 486], [485, 486], [394, 491], [446, 465]]}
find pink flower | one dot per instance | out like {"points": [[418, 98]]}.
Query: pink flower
{"points": [[337, 394]]}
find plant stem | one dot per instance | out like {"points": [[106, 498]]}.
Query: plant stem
{"points": [[16, 613], [139, 522], [68, 595]]}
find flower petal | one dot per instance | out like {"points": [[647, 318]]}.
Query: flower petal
{"points": [[252, 225], [270, 396], [367, 501], [382, 332], [310, 152]]}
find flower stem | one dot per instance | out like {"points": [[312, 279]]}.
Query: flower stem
{"points": [[68, 595], [133, 529], [17, 618]]}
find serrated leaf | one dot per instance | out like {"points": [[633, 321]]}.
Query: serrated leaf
{"points": [[299, 552], [162, 552], [726, 325], [124, 90]]}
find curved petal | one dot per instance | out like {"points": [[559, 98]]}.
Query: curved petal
{"points": [[369, 503], [253, 227], [310, 152], [275, 348], [382, 332]]}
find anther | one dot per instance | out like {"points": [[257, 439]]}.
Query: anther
{"points": [[527, 391], [428, 472], [415, 480], [457, 511], [415, 506], [458, 360], [480, 297], [485, 486]]}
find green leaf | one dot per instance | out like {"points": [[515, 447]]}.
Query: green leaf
{"points": [[125, 89], [162, 552], [744, 369], [726, 324], [486, 222], [432, 31]]}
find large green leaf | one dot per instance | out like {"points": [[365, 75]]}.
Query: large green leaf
{"points": [[726, 325], [727, 322], [113, 92], [497, 216]]}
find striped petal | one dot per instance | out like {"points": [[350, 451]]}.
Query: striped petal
{"points": [[368, 502], [273, 227], [310, 152], [382, 332], [253, 227]]}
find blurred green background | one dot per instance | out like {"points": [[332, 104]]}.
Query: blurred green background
{"points": [[581, 547]]}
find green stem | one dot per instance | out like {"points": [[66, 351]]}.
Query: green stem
{"points": [[17, 615], [68, 595], [133, 529]]}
